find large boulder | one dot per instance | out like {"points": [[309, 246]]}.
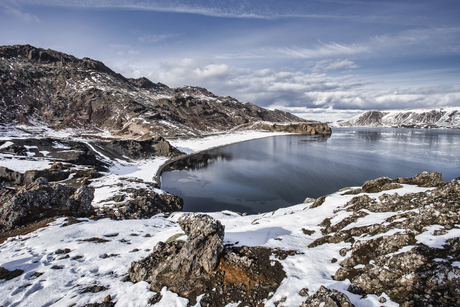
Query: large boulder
{"points": [[42, 200], [202, 265]]}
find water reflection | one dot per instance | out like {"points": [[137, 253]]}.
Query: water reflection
{"points": [[315, 138], [198, 161], [266, 174]]}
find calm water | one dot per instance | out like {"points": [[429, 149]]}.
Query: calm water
{"points": [[266, 174]]}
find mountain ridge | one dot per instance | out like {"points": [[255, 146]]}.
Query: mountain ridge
{"points": [[440, 117], [55, 90]]}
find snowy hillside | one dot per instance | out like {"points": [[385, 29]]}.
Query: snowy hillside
{"points": [[445, 117]]}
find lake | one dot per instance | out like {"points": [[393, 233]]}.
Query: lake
{"points": [[265, 174]]}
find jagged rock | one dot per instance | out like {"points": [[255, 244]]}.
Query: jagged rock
{"points": [[139, 149], [318, 202], [391, 261], [140, 204], [374, 186], [17, 178], [203, 265], [310, 128], [327, 298], [424, 179], [42, 200], [7, 275], [69, 152]]}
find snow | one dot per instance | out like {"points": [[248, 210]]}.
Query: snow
{"points": [[194, 145], [35, 252], [6, 145], [106, 264], [449, 118]]}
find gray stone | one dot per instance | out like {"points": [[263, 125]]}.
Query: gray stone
{"points": [[327, 298]]}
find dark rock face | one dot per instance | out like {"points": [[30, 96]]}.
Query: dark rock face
{"points": [[203, 265], [327, 298], [41, 200], [140, 149], [7, 275], [65, 92], [416, 275], [302, 128], [63, 151]]}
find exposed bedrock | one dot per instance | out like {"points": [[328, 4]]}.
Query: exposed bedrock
{"points": [[41, 200], [302, 128], [140, 203], [202, 265], [386, 257]]}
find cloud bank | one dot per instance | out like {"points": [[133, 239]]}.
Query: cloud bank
{"points": [[305, 94]]}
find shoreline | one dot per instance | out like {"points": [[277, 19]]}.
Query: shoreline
{"points": [[219, 137]]}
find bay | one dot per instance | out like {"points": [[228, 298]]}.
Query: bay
{"points": [[266, 174]]}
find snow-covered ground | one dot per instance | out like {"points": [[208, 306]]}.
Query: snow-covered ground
{"points": [[52, 278], [59, 279]]}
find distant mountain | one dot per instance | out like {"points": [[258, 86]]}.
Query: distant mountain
{"points": [[445, 117], [50, 89]]}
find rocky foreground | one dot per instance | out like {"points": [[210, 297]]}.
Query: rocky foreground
{"points": [[389, 242]]}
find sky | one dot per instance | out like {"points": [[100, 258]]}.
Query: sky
{"points": [[324, 60]]}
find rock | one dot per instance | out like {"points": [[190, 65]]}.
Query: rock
{"points": [[42, 200], [140, 204], [318, 202], [327, 298], [310, 128], [138, 149], [424, 179], [374, 186], [385, 257], [7, 275], [203, 265]]}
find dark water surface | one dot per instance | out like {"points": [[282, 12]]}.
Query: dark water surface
{"points": [[266, 174]]}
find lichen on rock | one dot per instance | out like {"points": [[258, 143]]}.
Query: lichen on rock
{"points": [[202, 265]]}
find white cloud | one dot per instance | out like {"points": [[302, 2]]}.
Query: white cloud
{"points": [[407, 42], [154, 38], [12, 8], [328, 65], [297, 90]]}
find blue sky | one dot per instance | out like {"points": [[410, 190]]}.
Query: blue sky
{"points": [[324, 60]]}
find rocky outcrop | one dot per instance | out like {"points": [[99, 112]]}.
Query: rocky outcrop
{"points": [[385, 257], [42, 200], [57, 172], [445, 117], [61, 91], [301, 128], [141, 203], [327, 298], [139, 149], [203, 266], [56, 150]]}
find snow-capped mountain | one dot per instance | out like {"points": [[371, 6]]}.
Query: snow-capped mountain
{"points": [[50, 89], [444, 117]]}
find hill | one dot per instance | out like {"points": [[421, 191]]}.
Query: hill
{"points": [[48, 89], [445, 117]]}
